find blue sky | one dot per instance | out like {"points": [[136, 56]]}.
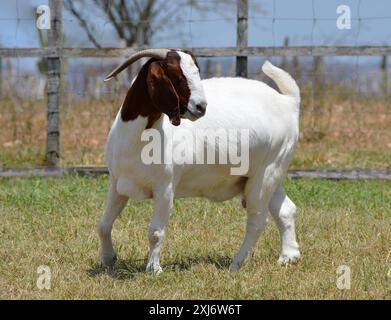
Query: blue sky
{"points": [[293, 19]]}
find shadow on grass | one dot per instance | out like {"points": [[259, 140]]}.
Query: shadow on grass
{"points": [[128, 269], [220, 262], [122, 269]]}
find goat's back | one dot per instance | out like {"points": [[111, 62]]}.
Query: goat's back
{"points": [[238, 103]]}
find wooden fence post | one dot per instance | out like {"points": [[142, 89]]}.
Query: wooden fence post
{"points": [[1, 77], [242, 36], [53, 85]]}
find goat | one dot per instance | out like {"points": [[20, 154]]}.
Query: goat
{"points": [[168, 89]]}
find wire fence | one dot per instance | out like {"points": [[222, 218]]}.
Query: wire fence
{"points": [[345, 115]]}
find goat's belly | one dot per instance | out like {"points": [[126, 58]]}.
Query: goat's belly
{"points": [[128, 187], [210, 185]]}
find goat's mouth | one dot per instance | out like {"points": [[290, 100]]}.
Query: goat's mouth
{"points": [[191, 115], [182, 110]]}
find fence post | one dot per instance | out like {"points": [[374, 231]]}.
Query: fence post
{"points": [[53, 85], [384, 75], [242, 36], [1, 77]]}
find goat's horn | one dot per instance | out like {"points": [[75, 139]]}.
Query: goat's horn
{"points": [[153, 53]]}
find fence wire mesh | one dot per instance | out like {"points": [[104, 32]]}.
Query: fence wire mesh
{"points": [[345, 112]]}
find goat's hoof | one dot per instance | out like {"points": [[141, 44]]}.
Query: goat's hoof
{"points": [[234, 267], [108, 260], [154, 269], [289, 257]]}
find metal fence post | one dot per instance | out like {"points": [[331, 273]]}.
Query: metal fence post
{"points": [[242, 36], [53, 85]]}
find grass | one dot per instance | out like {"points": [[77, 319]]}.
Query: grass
{"points": [[52, 222]]}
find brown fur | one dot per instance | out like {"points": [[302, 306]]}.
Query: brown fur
{"points": [[160, 87]]}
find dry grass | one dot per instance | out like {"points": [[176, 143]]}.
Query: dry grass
{"points": [[342, 132], [52, 222]]}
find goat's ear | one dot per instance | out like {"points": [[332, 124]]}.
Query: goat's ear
{"points": [[162, 92]]}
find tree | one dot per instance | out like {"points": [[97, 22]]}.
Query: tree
{"points": [[134, 21]]}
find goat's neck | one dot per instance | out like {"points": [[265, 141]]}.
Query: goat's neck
{"points": [[133, 129]]}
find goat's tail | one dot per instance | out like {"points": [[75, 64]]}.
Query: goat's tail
{"points": [[284, 81]]}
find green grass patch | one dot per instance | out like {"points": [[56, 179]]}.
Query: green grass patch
{"points": [[22, 156], [52, 222]]}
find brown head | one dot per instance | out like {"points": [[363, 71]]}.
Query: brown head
{"points": [[167, 83]]}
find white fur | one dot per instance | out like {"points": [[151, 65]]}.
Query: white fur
{"points": [[197, 95], [273, 121]]}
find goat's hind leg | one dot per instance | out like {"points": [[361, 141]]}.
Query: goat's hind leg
{"points": [[258, 191], [283, 210], [114, 205]]}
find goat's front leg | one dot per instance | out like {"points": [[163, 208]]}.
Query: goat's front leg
{"points": [[115, 204], [161, 213]]}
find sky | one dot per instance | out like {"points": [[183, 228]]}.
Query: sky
{"points": [[305, 22]]}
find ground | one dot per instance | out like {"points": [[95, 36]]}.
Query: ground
{"points": [[51, 222]]}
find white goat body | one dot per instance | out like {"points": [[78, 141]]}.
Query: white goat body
{"points": [[272, 119]]}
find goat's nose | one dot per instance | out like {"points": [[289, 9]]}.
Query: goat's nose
{"points": [[201, 108]]}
